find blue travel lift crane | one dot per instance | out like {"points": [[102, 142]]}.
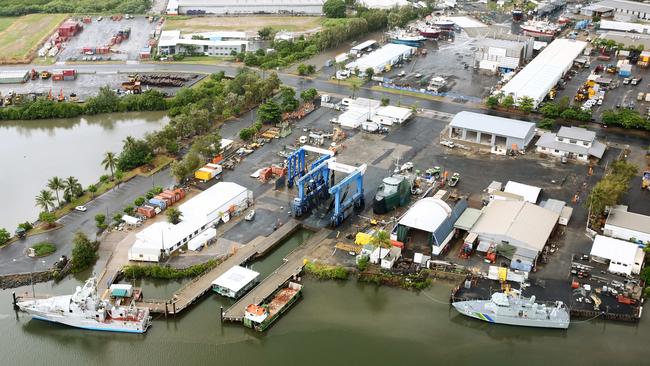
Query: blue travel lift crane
{"points": [[296, 162], [314, 187]]}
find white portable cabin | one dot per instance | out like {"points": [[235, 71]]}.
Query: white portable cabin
{"points": [[202, 239]]}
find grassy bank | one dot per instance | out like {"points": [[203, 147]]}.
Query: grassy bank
{"points": [[243, 23], [326, 272], [158, 163], [418, 281], [167, 273]]}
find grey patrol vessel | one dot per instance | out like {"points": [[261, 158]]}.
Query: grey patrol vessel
{"points": [[513, 309]]}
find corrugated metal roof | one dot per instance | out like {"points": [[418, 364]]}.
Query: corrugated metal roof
{"points": [[380, 57], [545, 70], [577, 133], [614, 249], [492, 124], [447, 226], [629, 220], [626, 5], [519, 220], [467, 219]]}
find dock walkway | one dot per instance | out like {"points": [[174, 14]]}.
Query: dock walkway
{"points": [[292, 266], [191, 292]]}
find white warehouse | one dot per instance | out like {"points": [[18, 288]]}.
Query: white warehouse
{"points": [[234, 7], [212, 44], [199, 214], [382, 59], [538, 77]]}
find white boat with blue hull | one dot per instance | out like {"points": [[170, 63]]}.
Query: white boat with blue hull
{"points": [[85, 310], [513, 309]]}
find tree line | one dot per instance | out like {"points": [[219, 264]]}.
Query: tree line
{"points": [[106, 101], [22, 7]]}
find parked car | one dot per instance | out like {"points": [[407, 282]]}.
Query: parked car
{"points": [[626, 81], [636, 81], [81, 208]]}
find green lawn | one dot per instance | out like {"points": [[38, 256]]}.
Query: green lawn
{"points": [[21, 37], [243, 23]]}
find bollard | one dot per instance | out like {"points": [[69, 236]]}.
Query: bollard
{"points": [[166, 311], [221, 313]]}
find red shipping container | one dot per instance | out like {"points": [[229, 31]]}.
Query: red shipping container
{"points": [[57, 77], [69, 72], [147, 211], [170, 196], [396, 243], [180, 192], [217, 159]]}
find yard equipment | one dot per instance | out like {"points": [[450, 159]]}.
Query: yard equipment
{"points": [[454, 179], [645, 180], [45, 74]]}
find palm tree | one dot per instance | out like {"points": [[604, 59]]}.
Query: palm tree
{"points": [[92, 189], [109, 162], [119, 175], [174, 215], [71, 187], [129, 141], [355, 88], [45, 200], [56, 184], [381, 239]]}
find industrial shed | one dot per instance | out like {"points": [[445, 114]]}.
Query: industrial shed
{"points": [[626, 225], [391, 114], [209, 207], [512, 225], [623, 257], [538, 77], [498, 133], [432, 216], [382, 59], [224, 7]]}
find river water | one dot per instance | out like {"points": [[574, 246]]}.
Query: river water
{"points": [[32, 152], [335, 323]]}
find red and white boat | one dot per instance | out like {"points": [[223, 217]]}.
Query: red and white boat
{"points": [[539, 29], [429, 31]]}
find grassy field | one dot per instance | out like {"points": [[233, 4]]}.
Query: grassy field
{"points": [[244, 23], [21, 37]]}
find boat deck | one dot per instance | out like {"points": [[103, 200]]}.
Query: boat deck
{"points": [[293, 265], [202, 284]]}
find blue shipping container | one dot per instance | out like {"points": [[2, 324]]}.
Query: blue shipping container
{"points": [[160, 203]]}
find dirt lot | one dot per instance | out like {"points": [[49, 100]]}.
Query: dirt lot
{"points": [[244, 23], [98, 34], [20, 37]]}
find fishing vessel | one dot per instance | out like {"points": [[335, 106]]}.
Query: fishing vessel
{"points": [[539, 29], [407, 38], [513, 309], [393, 192], [85, 310], [260, 317]]}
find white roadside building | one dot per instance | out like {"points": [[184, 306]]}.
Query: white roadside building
{"points": [[209, 207]]}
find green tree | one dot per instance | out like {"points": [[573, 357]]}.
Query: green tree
{"points": [[110, 162], [269, 112], [546, 124], [550, 110], [4, 236], [381, 239], [492, 101], [563, 103], [370, 72], [385, 101], [92, 189], [288, 102], [45, 200], [179, 171], [129, 210], [334, 8], [308, 95], [135, 153], [526, 104], [246, 133], [56, 184], [100, 221], [174, 215], [266, 33], [207, 146], [117, 218], [118, 177], [508, 102], [48, 218], [84, 252], [139, 201]]}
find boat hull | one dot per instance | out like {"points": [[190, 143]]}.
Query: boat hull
{"points": [[411, 43], [465, 308], [88, 324]]}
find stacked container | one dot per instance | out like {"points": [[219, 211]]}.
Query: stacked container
{"points": [[69, 75], [147, 211]]}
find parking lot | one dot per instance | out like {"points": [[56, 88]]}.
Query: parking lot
{"points": [[99, 33]]}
